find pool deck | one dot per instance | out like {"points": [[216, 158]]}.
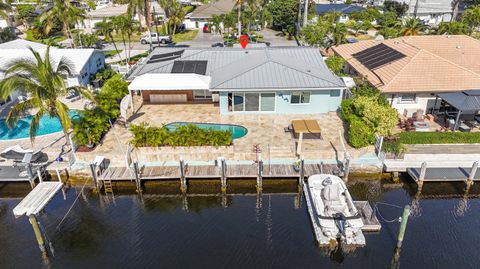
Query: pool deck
{"points": [[265, 130]]}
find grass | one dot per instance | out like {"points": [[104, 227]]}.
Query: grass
{"points": [[118, 37], [111, 53], [184, 36], [55, 38], [439, 138]]}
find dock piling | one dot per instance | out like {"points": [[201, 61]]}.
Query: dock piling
{"points": [[259, 176], [31, 177], [138, 180], [223, 167], [471, 177], [183, 179], [302, 173], [403, 227], [38, 233], [39, 173], [421, 177], [94, 175]]}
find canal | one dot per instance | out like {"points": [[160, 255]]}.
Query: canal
{"points": [[207, 230]]}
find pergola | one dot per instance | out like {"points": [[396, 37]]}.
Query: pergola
{"points": [[464, 102]]}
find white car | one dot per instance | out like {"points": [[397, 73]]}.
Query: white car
{"points": [[155, 38]]}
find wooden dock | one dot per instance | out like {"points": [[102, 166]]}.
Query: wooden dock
{"points": [[370, 220], [236, 171], [37, 199]]}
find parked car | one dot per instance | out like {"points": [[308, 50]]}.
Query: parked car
{"points": [[206, 28], [155, 38]]}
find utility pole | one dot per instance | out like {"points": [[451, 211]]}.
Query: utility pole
{"points": [[305, 14]]}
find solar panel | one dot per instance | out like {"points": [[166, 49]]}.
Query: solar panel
{"points": [[378, 56], [196, 67], [165, 56]]}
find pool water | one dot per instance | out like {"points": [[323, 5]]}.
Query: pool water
{"points": [[48, 125], [237, 131]]}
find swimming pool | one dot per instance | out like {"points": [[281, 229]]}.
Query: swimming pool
{"points": [[47, 125], [237, 131]]}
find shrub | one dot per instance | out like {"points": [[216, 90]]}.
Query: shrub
{"points": [[393, 146], [359, 134], [336, 64], [182, 135]]}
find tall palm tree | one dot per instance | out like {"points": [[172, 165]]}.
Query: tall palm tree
{"points": [[136, 6], [125, 25], [412, 26], [43, 79], [4, 8], [177, 15], [452, 28], [65, 12], [106, 28]]}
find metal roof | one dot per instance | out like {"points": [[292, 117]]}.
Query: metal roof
{"points": [[342, 8], [463, 101], [213, 8], [254, 68]]}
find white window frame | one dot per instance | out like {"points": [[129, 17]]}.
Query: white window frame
{"points": [[259, 102], [301, 103], [409, 100]]}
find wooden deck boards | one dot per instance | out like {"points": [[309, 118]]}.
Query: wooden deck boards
{"points": [[37, 199], [211, 171]]}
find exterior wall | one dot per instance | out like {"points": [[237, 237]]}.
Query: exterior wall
{"points": [[195, 23], [94, 64], [146, 94], [424, 101], [321, 101]]}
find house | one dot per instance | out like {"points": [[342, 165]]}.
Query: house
{"points": [[411, 71], [203, 14], [344, 9], [85, 62], [292, 80], [97, 15], [430, 11]]}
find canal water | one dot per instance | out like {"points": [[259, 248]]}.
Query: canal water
{"points": [[207, 230]]}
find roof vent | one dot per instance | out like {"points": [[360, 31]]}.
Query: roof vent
{"points": [[459, 47]]}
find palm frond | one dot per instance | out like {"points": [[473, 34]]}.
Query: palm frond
{"points": [[18, 111], [35, 123], [62, 114]]}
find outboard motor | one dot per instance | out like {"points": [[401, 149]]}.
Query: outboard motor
{"points": [[340, 222]]}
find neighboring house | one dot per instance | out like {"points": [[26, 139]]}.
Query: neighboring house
{"points": [[344, 9], [411, 71], [85, 62], [203, 14], [430, 11], [256, 80], [97, 15]]}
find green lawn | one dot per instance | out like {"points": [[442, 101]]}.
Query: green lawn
{"points": [[439, 138], [184, 36], [58, 37], [111, 53]]}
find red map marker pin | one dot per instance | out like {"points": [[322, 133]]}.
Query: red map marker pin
{"points": [[243, 40]]}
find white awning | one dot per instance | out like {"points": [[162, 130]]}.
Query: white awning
{"points": [[170, 81]]}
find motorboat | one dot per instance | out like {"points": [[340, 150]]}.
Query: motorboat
{"points": [[332, 211]]}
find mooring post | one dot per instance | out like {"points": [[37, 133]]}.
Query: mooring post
{"points": [[302, 173], [39, 173], [421, 177], [403, 227], [94, 175], [183, 180], [259, 176], [223, 167], [471, 177], [346, 169], [138, 180], [38, 233], [321, 167], [31, 177]]}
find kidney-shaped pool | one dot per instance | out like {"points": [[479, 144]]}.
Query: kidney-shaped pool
{"points": [[237, 131]]}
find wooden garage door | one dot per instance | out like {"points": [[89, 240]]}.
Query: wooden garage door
{"points": [[168, 98]]}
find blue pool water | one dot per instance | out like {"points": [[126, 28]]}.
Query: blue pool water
{"points": [[237, 131], [47, 125]]}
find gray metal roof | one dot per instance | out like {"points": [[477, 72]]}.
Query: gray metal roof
{"points": [[254, 68], [463, 101]]}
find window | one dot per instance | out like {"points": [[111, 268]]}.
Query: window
{"points": [[202, 94], [300, 98], [251, 101], [334, 93], [267, 102], [407, 98]]}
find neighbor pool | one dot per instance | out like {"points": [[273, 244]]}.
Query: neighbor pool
{"points": [[237, 131], [47, 125]]}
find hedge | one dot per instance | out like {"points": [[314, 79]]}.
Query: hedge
{"points": [[439, 138], [182, 135]]}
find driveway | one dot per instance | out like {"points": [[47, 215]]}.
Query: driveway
{"points": [[276, 39], [203, 40]]}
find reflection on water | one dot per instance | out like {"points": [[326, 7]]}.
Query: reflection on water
{"points": [[240, 229]]}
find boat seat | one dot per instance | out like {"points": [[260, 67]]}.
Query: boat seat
{"points": [[334, 199]]}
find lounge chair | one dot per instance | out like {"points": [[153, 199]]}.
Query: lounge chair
{"points": [[17, 153]]}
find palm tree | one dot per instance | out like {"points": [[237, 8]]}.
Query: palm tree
{"points": [[412, 26], [106, 28], [338, 34], [125, 25], [452, 28], [4, 8], [471, 17], [43, 79], [136, 6], [65, 12], [177, 15]]}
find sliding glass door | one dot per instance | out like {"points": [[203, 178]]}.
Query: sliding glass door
{"points": [[252, 101]]}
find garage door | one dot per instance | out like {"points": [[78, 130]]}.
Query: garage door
{"points": [[168, 98]]}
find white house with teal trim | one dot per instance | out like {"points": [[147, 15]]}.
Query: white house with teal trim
{"points": [[242, 81]]}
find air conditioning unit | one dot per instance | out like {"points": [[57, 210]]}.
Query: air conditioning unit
{"points": [[215, 97]]}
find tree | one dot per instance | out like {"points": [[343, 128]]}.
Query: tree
{"points": [[43, 79], [136, 6], [106, 29], [452, 28], [335, 64], [85, 40], [397, 7], [124, 24], [25, 13], [66, 13], [4, 8], [176, 16], [284, 14], [412, 26], [471, 17]]}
